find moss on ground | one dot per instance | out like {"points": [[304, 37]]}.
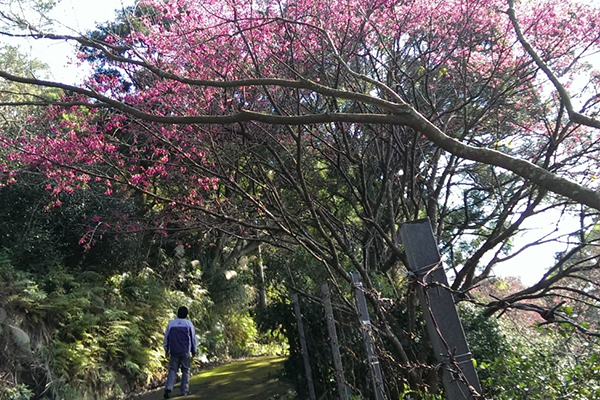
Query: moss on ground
{"points": [[255, 378]]}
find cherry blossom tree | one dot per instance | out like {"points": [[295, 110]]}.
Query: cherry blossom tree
{"points": [[326, 124]]}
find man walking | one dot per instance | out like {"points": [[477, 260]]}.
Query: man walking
{"points": [[180, 341]]}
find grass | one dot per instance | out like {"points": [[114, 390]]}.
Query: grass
{"points": [[255, 378]]}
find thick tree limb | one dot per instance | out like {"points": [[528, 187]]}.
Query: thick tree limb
{"points": [[400, 114], [525, 169]]}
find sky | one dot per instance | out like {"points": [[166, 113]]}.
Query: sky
{"points": [[531, 264], [73, 15], [82, 15]]}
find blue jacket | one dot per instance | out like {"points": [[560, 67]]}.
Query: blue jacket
{"points": [[180, 337]]}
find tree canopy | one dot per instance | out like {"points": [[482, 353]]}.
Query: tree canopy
{"points": [[324, 125]]}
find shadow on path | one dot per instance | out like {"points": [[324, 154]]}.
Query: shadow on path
{"points": [[255, 378]]}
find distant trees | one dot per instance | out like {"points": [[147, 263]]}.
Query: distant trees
{"points": [[319, 127]]}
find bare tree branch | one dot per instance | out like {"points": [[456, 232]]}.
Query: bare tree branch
{"points": [[562, 91]]}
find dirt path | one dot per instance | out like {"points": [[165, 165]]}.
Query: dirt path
{"points": [[255, 378]]}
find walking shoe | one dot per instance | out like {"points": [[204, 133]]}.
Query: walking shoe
{"points": [[167, 394]]}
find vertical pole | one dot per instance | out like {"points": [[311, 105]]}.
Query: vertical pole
{"points": [[304, 348], [335, 345], [365, 324], [260, 277], [443, 324]]}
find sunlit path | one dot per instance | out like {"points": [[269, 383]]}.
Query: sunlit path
{"points": [[256, 378]]}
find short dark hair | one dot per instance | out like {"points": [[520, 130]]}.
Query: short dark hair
{"points": [[182, 312]]}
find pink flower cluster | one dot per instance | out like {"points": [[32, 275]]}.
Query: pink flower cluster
{"points": [[456, 61]]}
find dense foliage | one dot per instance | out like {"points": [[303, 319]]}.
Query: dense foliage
{"points": [[89, 324]]}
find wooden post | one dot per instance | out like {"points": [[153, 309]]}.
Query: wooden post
{"points": [[335, 345], [304, 348], [367, 330], [443, 324]]}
